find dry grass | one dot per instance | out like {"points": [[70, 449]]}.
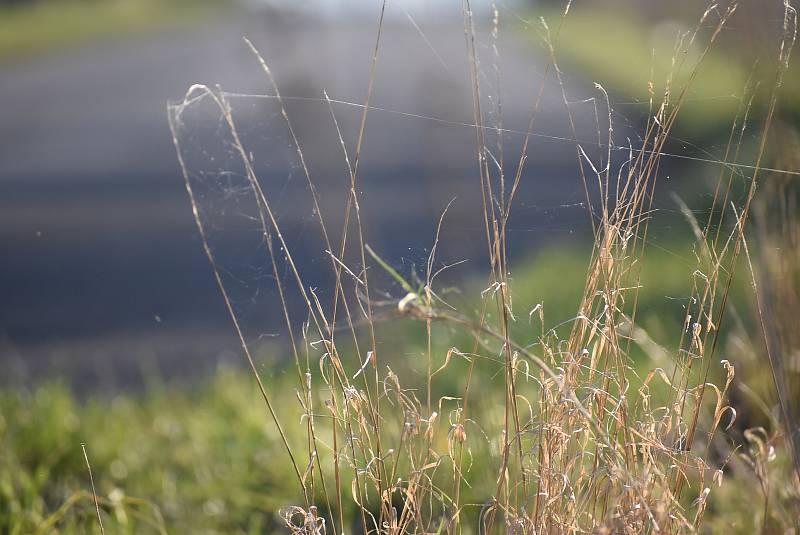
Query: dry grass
{"points": [[579, 441]]}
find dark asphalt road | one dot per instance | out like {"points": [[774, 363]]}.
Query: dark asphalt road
{"points": [[102, 268]]}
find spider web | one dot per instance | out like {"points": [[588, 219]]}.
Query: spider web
{"points": [[418, 155]]}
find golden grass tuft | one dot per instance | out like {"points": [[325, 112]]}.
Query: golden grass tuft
{"points": [[579, 441]]}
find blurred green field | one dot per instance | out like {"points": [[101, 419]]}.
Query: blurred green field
{"points": [[625, 52], [192, 460], [34, 27]]}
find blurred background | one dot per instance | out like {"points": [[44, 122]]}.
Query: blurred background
{"points": [[103, 275]]}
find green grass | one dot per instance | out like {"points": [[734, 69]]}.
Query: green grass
{"points": [[206, 458], [50, 25]]}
